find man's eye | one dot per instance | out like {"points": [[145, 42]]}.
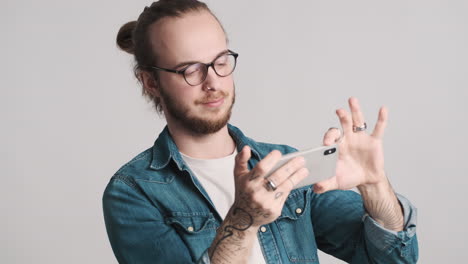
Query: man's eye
{"points": [[221, 61], [192, 70]]}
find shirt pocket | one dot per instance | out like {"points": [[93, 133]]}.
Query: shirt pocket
{"points": [[196, 229], [295, 227]]}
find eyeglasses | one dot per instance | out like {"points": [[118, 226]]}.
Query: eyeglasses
{"points": [[195, 74]]}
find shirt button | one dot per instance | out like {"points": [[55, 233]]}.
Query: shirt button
{"points": [[263, 229], [298, 210], [190, 228]]}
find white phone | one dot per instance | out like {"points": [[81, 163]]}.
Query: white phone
{"points": [[321, 163]]}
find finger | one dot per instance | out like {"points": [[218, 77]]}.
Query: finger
{"points": [[241, 165], [326, 185], [289, 184], [266, 164], [284, 172], [296, 178], [331, 136], [345, 120], [381, 123], [356, 113]]}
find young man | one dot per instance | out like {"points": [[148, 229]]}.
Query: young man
{"points": [[199, 195]]}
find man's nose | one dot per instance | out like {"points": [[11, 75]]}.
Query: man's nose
{"points": [[212, 81]]}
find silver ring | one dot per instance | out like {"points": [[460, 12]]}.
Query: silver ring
{"points": [[271, 185], [359, 128]]}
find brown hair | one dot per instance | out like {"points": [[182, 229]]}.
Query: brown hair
{"points": [[133, 36]]}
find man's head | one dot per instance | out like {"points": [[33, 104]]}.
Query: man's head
{"points": [[171, 34]]}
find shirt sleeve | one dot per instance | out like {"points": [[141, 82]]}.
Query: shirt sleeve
{"points": [[386, 240], [343, 229], [136, 228]]}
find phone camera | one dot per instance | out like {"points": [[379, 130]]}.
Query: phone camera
{"points": [[329, 151]]}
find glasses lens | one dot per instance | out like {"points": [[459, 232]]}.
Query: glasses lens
{"points": [[225, 65], [195, 73]]}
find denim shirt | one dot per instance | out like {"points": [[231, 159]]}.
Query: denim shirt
{"points": [[156, 211]]}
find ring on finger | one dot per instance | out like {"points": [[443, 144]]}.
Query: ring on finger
{"points": [[359, 128], [270, 185]]}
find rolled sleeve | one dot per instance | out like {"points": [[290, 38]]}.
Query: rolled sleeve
{"points": [[389, 241]]}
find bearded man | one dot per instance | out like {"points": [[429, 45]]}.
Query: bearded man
{"points": [[200, 195]]}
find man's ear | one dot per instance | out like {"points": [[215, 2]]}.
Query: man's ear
{"points": [[150, 85]]}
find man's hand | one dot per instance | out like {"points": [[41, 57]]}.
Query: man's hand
{"points": [[361, 164], [255, 204], [253, 195], [361, 157]]}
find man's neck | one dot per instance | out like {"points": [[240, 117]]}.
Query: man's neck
{"points": [[208, 146]]}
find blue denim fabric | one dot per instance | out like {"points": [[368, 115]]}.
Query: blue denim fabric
{"points": [[156, 211]]}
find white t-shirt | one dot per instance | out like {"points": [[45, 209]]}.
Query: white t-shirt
{"points": [[217, 177]]}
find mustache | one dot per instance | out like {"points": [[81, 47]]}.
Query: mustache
{"points": [[211, 97]]}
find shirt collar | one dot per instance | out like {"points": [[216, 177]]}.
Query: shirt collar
{"points": [[165, 149]]}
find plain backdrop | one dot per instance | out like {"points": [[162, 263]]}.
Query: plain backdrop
{"points": [[72, 112]]}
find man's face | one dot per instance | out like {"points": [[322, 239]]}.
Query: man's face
{"points": [[194, 37]]}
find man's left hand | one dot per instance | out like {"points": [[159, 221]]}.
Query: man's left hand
{"points": [[361, 157]]}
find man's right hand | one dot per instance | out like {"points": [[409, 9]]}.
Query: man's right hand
{"points": [[255, 204], [255, 201]]}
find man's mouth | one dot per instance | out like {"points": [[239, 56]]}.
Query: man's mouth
{"points": [[215, 102]]}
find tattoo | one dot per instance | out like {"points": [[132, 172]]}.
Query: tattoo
{"points": [[278, 195], [389, 212], [385, 209], [254, 176], [243, 225]]}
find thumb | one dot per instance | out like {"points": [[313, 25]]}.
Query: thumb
{"points": [[241, 166], [326, 185]]}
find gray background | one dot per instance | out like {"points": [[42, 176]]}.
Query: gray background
{"points": [[72, 112]]}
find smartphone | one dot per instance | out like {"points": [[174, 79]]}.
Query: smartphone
{"points": [[321, 163]]}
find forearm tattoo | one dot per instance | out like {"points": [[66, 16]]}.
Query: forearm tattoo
{"points": [[245, 222], [387, 211]]}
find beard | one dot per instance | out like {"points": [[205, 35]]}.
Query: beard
{"points": [[198, 125]]}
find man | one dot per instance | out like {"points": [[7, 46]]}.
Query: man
{"points": [[199, 195]]}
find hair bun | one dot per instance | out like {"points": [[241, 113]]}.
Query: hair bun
{"points": [[125, 37]]}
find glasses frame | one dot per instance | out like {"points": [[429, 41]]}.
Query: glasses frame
{"points": [[207, 66]]}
